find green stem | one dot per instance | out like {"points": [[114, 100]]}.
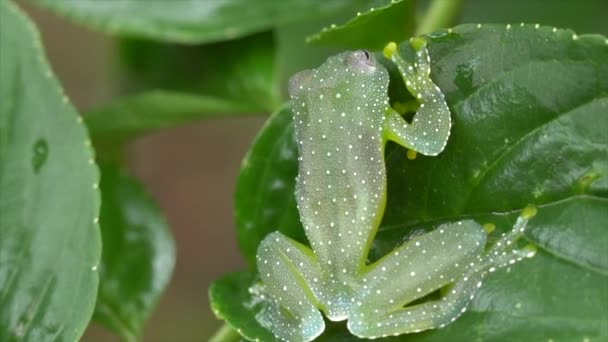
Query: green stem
{"points": [[440, 14], [225, 334]]}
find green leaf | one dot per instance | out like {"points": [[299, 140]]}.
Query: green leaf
{"points": [[371, 29], [529, 107], [178, 84], [138, 255], [231, 301], [189, 21], [50, 244], [264, 198], [588, 16], [241, 71], [569, 230], [154, 110]]}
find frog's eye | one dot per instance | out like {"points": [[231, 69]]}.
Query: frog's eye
{"points": [[361, 60]]}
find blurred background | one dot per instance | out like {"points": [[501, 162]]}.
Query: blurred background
{"points": [[191, 170]]}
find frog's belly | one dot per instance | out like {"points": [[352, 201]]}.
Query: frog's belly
{"points": [[340, 205]]}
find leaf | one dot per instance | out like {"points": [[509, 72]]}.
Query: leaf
{"points": [[371, 29], [179, 84], [154, 110], [189, 21], [569, 229], [230, 300], [241, 71], [264, 198], [587, 19], [138, 255], [49, 201], [529, 107]]}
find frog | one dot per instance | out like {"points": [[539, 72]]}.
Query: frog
{"points": [[342, 122]]}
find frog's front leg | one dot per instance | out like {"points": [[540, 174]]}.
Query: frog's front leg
{"points": [[430, 128], [289, 271], [450, 259]]}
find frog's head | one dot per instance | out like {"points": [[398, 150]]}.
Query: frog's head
{"points": [[343, 73]]}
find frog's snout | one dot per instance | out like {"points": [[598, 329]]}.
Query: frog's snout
{"points": [[298, 81]]}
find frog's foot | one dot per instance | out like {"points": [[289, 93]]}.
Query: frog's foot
{"points": [[430, 128], [288, 269], [504, 252]]}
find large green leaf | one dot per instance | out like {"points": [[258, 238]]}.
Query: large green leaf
{"points": [[50, 244], [138, 255], [530, 111], [176, 84], [190, 21]]}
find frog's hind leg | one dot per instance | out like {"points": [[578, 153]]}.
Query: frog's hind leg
{"points": [[456, 263], [430, 128], [287, 269], [414, 272], [415, 318]]}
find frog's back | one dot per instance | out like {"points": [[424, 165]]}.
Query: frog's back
{"points": [[339, 112]]}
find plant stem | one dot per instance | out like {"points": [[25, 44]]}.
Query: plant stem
{"points": [[225, 334], [440, 14]]}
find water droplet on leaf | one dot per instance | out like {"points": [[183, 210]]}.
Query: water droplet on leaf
{"points": [[40, 154]]}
